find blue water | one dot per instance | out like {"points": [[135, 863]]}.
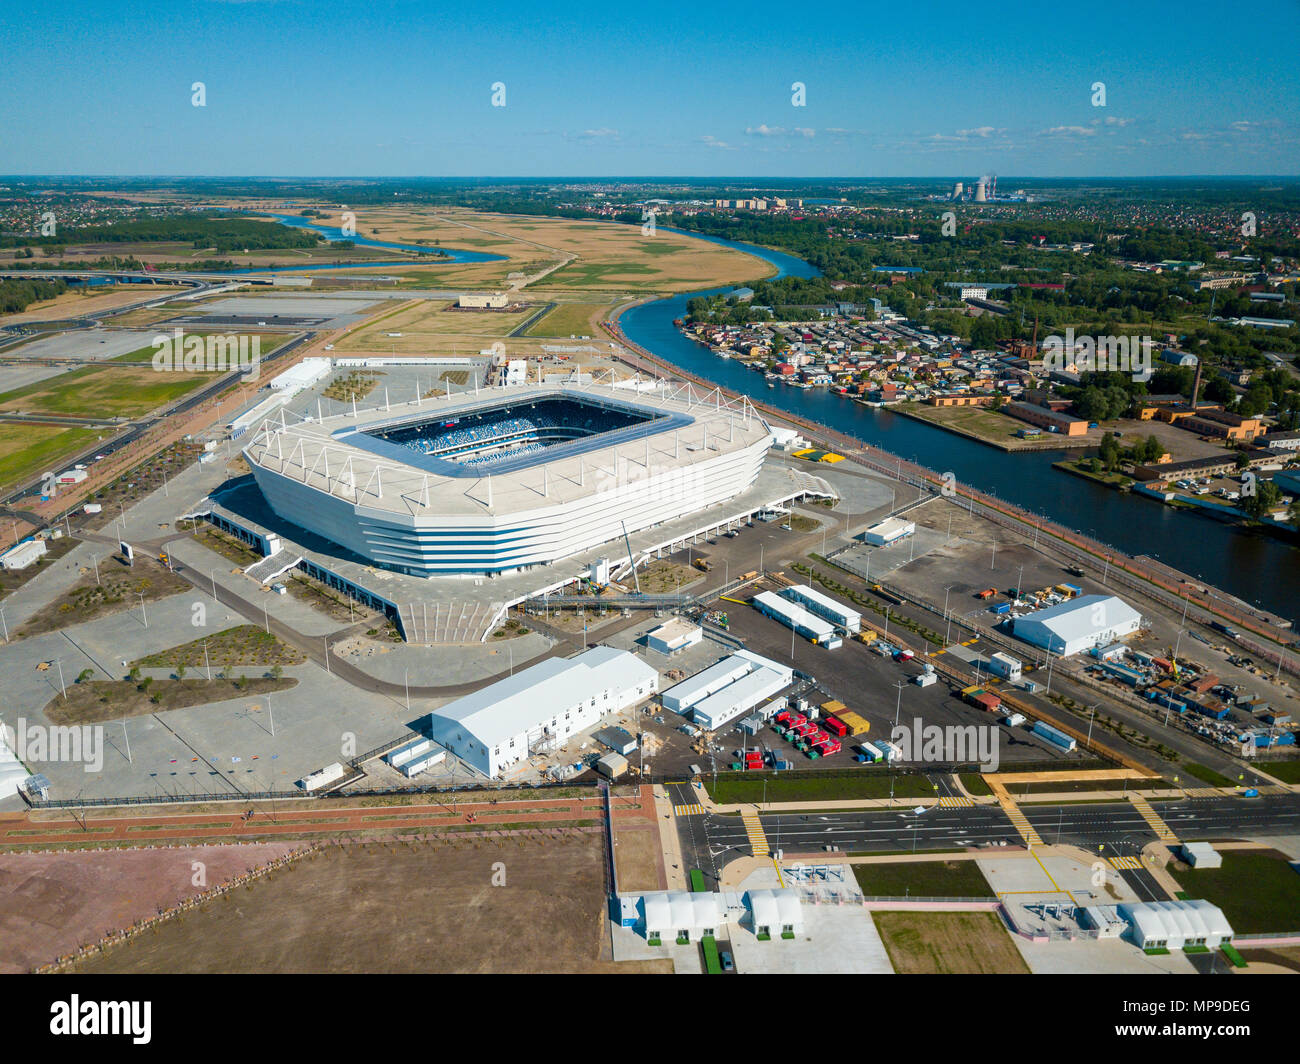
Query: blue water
{"points": [[1256, 567], [329, 232]]}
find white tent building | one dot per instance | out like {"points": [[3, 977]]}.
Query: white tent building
{"points": [[540, 707], [774, 912], [1175, 924], [1078, 625], [672, 914]]}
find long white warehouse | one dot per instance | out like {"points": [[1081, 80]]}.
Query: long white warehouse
{"points": [[539, 708], [792, 615], [824, 606], [1078, 625], [740, 697]]}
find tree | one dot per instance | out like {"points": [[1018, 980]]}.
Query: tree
{"points": [[1265, 499], [85, 675], [1109, 452], [180, 672], [277, 671]]}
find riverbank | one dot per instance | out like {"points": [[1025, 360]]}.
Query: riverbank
{"points": [[976, 423]]}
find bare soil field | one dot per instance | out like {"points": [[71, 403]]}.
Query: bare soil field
{"points": [[52, 903], [399, 907], [925, 943], [637, 857]]}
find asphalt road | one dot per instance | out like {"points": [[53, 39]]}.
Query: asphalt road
{"points": [[710, 841]]}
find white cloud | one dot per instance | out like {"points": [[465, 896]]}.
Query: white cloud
{"points": [[1069, 131]]}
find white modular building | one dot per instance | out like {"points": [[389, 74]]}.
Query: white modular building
{"points": [[742, 696], [728, 688], [888, 531], [1079, 624], [674, 635], [1176, 924], [1202, 855], [541, 707], [1006, 666], [792, 615], [412, 758], [23, 554], [824, 606], [682, 697], [303, 375]]}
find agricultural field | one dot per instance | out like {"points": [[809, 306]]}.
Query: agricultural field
{"points": [[103, 392], [399, 907], [27, 450], [929, 943]]}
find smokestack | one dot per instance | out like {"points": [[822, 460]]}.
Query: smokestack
{"points": [[1196, 384]]}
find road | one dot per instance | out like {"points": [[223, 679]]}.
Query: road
{"points": [[711, 840]]}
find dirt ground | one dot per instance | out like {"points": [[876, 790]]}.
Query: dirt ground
{"points": [[399, 907], [923, 943], [51, 903], [637, 858]]}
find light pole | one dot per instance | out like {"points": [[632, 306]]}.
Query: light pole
{"points": [[1088, 741], [94, 560], [143, 612]]}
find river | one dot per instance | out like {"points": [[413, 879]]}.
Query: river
{"points": [[1254, 566]]}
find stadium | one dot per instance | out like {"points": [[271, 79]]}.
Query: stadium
{"points": [[513, 478]]}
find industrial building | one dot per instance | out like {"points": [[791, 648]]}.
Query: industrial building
{"points": [[514, 478], [728, 688], [1202, 855], [303, 375], [620, 740], [483, 300], [23, 554], [1006, 666], [1175, 924], [888, 531], [794, 616], [412, 758], [674, 635], [824, 606], [1079, 624], [540, 708]]}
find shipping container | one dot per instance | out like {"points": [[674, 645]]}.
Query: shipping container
{"points": [[836, 726]]}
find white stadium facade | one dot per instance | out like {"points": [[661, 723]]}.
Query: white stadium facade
{"points": [[508, 479]]}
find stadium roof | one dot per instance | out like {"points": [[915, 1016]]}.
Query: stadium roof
{"points": [[334, 456]]}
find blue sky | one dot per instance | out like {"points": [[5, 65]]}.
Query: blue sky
{"points": [[405, 89]]}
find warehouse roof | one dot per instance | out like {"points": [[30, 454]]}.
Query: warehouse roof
{"points": [[1080, 617], [504, 709]]}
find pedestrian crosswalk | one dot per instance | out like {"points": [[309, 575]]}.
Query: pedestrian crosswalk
{"points": [[1121, 863], [1203, 792], [1019, 821], [757, 838], [688, 810], [955, 803], [1152, 817]]}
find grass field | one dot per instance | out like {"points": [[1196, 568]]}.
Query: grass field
{"points": [[1258, 892], [29, 450], [1206, 775], [1287, 771], [948, 944], [923, 879], [569, 319], [428, 327], [268, 342], [826, 788], [98, 391], [245, 644]]}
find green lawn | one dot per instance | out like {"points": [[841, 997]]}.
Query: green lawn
{"points": [[98, 391], [748, 787], [1258, 892], [923, 879], [974, 784], [1286, 771], [28, 450], [1204, 774], [567, 319]]}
